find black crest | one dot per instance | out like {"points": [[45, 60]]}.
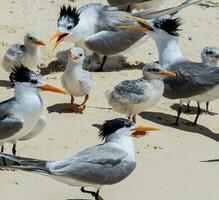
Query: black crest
{"points": [[70, 12], [171, 26], [111, 126], [20, 73]]}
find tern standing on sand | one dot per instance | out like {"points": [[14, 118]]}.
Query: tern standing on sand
{"points": [[75, 80], [27, 54], [131, 97], [104, 164], [21, 117]]}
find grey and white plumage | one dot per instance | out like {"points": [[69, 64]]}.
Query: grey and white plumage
{"points": [[103, 164], [28, 53], [131, 97], [195, 81], [21, 117], [77, 81]]}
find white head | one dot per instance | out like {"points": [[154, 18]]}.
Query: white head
{"points": [[32, 39], [27, 81], [210, 56], [118, 128], [67, 22], [155, 71], [76, 56]]}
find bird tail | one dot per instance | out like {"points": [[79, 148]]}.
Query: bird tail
{"points": [[25, 164], [169, 11]]}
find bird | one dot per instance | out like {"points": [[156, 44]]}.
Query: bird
{"points": [[131, 97], [210, 57], [94, 27], [28, 53], [104, 164], [194, 81], [129, 5], [75, 80], [21, 117]]}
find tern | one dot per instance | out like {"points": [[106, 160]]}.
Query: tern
{"points": [[94, 27], [103, 164], [28, 53], [129, 5], [131, 97], [75, 80], [210, 57], [21, 117], [194, 81]]}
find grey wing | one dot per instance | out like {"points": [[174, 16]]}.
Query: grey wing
{"points": [[110, 43], [86, 81], [151, 14], [9, 124], [192, 79], [94, 165], [130, 91], [37, 129], [15, 52]]}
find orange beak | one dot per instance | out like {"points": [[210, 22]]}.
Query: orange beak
{"points": [[60, 38], [51, 88], [141, 131], [40, 42], [168, 73], [145, 25], [74, 57]]}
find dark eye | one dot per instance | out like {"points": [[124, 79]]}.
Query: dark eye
{"points": [[33, 81], [209, 52], [70, 27], [80, 54], [30, 38]]}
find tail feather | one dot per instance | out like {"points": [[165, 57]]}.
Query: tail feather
{"points": [[27, 164]]}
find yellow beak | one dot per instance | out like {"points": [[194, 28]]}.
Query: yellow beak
{"points": [[141, 131], [168, 73], [74, 57], [40, 42], [52, 88], [60, 38]]}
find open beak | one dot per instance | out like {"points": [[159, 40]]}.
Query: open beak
{"points": [[51, 88], [141, 131], [74, 57], [145, 25], [60, 38], [168, 73], [40, 42]]}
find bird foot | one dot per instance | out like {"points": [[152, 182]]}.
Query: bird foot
{"points": [[82, 107], [210, 113]]}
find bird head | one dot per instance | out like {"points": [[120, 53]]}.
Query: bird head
{"points": [[156, 71], [76, 55], [67, 21], [120, 127], [210, 54], [29, 80], [32, 39]]}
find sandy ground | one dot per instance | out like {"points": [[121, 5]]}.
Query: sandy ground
{"points": [[168, 162]]}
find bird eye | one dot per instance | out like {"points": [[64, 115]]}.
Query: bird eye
{"points": [[80, 54], [33, 81], [70, 27], [30, 38]]}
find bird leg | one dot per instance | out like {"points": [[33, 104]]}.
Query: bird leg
{"points": [[83, 105], [129, 9], [188, 108], [88, 192], [134, 118], [178, 116], [102, 64], [14, 150], [198, 114], [97, 196], [72, 99], [3, 159], [207, 110]]}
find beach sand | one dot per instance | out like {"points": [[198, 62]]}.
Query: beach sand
{"points": [[169, 162]]}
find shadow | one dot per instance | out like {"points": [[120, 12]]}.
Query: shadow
{"points": [[54, 66], [185, 125], [6, 84], [78, 199], [64, 108], [193, 109], [213, 160], [101, 108]]}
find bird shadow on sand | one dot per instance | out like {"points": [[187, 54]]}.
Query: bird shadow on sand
{"points": [[64, 108], [6, 84], [78, 199], [210, 161], [185, 125], [54, 66]]}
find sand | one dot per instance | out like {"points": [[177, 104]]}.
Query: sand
{"points": [[169, 162]]}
